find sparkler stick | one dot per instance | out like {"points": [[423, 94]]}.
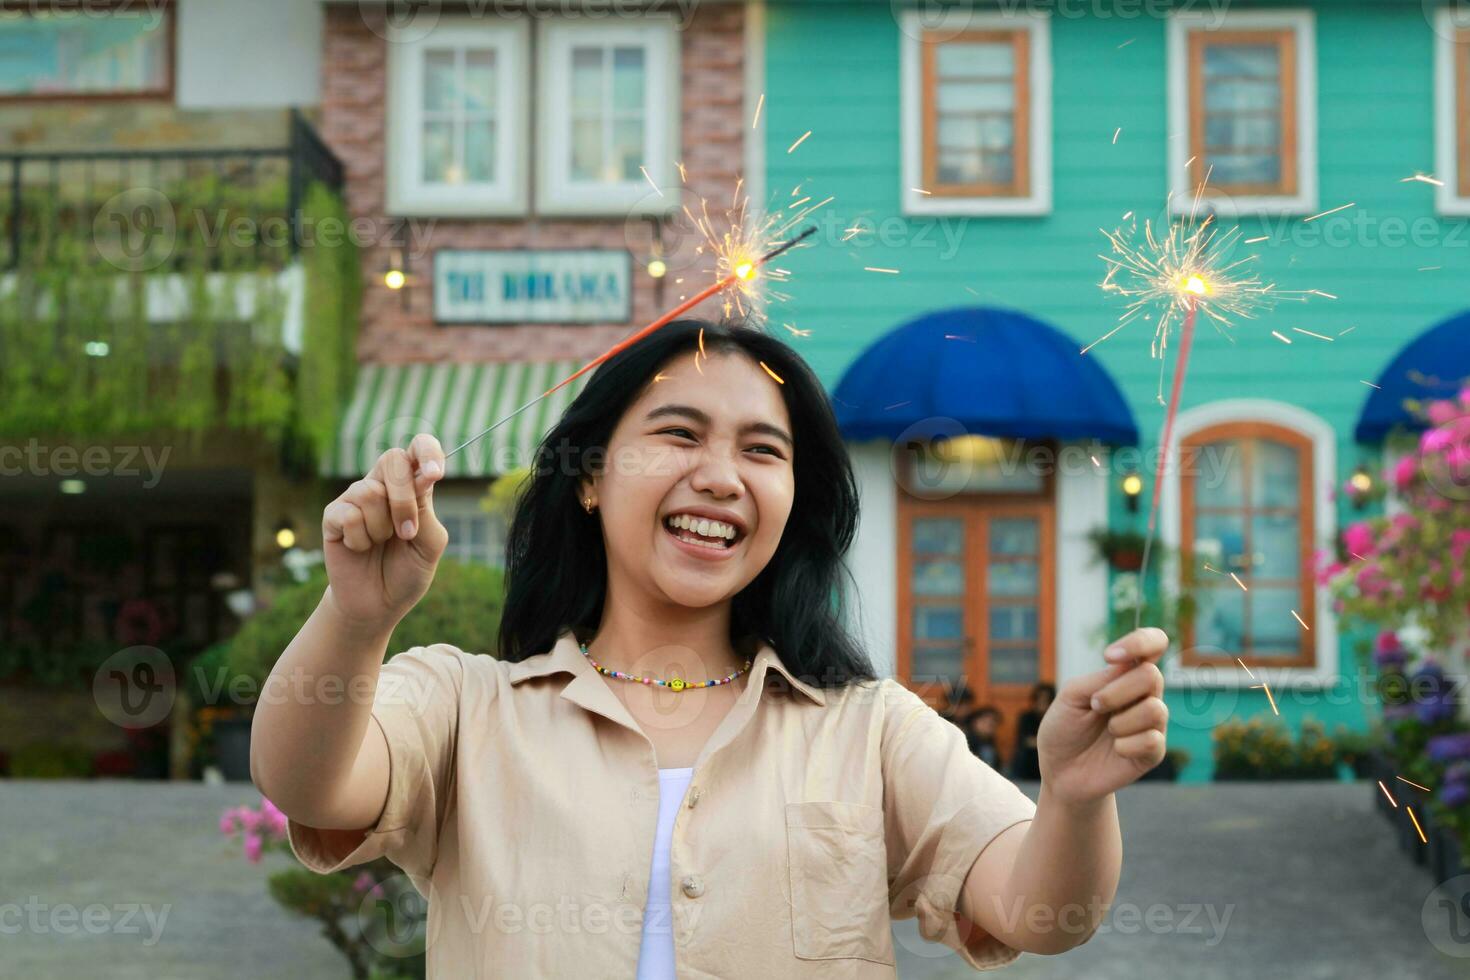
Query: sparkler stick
{"points": [[743, 272], [1181, 365], [1174, 276]]}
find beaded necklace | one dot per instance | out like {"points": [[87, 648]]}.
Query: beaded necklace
{"points": [[677, 684]]}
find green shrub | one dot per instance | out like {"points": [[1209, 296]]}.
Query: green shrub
{"points": [[50, 760], [1262, 748], [462, 607]]}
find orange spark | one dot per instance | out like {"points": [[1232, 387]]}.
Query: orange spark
{"points": [[1413, 784], [1299, 620], [799, 140], [772, 373], [1417, 828]]}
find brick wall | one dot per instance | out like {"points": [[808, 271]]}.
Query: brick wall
{"points": [[398, 327]]}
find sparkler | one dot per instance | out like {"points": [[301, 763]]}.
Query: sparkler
{"points": [[1175, 277], [735, 269]]}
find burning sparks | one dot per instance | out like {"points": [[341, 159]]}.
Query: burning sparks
{"points": [[1164, 274], [772, 373], [875, 268], [740, 243], [1323, 214], [1413, 784], [1423, 178], [799, 140], [757, 117]]}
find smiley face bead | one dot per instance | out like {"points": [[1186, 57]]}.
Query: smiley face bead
{"points": [[677, 683]]}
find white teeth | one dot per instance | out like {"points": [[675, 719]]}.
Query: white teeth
{"points": [[704, 526]]}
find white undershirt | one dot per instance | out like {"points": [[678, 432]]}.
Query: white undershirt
{"points": [[656, 954]]}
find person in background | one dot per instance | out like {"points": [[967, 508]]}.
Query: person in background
{"points": [[959, 703], [1027, 764], [980, 728]]}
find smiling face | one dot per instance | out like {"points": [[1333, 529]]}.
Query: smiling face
{"points": [[697, 483]]}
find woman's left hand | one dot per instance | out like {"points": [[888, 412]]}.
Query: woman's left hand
{"points": [[1087, 752]]}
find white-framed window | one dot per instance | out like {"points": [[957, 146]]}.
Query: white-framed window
{"points": [[1242, 89], [975, 95], [474, 535], [608, 105], [457, 118], [1246, 491], [1452, 110]]}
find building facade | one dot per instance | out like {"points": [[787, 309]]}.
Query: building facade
{"points": [[536, 165], [166, 357], [974, 155]]}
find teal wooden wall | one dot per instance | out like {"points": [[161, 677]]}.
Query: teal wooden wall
{"points": [[833, 68]]}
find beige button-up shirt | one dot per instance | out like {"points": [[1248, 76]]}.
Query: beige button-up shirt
{"points": [[523, 802]]}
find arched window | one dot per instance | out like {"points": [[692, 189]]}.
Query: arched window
{"points": [[1247, 516]]}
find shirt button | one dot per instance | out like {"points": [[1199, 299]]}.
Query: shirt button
{"points": [[693, 886], [693, 797]]}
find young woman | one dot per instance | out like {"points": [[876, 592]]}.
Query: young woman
{"points": [[679, 764]]}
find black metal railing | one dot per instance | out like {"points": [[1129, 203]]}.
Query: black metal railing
{"points": [[162, 210]]}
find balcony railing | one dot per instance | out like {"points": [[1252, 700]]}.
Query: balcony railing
{"points": [[163, 210]]}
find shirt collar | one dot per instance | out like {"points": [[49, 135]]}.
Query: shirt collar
{"points": [[566, 656]]}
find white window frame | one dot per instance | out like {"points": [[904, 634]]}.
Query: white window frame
{"points": [[1324, 468], [1447, 23], [463, 502], [556, 192], [1302, 24], [911, 115], [407, 193]]}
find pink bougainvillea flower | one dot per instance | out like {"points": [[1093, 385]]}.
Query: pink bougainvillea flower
{"points": [[1404, 472], [1441, 412], [253, 848], [363, 882], [1358, 538], [227, 823]]}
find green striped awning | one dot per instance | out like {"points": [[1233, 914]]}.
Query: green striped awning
{"points": [[393, 402]]}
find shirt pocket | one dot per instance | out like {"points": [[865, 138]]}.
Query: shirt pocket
{"points": [[839, 881]]}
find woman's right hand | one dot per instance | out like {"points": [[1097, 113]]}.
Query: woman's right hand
{"points": [[381, 540]]}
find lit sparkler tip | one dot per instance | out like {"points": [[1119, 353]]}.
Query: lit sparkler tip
{"points": [[745, 271]]}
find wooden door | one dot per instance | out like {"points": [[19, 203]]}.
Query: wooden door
{"points": [[977, 601]]}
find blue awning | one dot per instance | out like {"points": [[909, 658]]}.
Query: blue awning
{"points": [[996, 372], [1432, 365]]}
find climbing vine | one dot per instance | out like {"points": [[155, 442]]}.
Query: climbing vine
{"points": [[79, 353]]}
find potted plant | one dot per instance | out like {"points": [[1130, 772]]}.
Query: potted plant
{"points": [[1122, 550]]}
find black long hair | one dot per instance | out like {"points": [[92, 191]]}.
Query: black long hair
{"points": [[556, 563]]}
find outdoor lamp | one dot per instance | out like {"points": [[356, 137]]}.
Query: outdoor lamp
{"points": [[395, 275], [1362, 483], [1132, 489], [285, 535]]}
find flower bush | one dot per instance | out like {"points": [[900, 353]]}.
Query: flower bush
{"points": [[1410, 566], [356, 907], [1262, 748]]}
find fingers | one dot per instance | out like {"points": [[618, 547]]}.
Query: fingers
{"points": [[1144, 680], [427, 457], [394, 469], [1147, 643], [1147, 747], [359, 518], [1149, 713], [393, 500]]}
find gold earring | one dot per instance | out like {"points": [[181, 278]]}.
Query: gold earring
{"points": [[587, 503]]}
